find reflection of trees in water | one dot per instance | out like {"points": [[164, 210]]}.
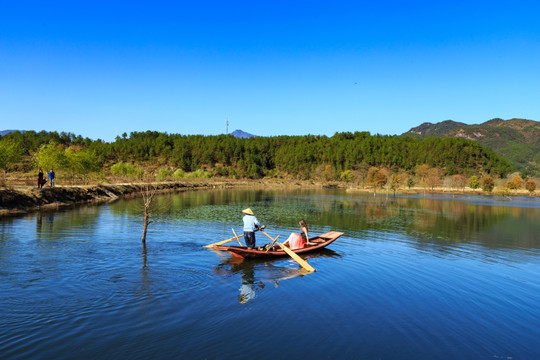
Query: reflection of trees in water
{"points": [[457, 220], [191, 199], [51, 223], [439, 221], [436, 220]]}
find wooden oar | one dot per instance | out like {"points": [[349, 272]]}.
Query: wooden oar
{"points": [[234, 232], [295, 257], [223, 241], [273, 242]]}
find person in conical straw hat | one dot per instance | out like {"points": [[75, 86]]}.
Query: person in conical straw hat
{"points": [[250, 225]]}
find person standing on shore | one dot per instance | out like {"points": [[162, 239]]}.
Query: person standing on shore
{"points": [[52, 175], [250, 225], [40, 180]]}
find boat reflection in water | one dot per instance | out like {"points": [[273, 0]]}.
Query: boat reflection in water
{"points": [[254, 273]]}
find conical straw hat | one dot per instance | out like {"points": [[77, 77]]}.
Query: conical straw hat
{"points": [[248, 211]]}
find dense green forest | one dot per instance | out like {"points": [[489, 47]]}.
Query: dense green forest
{"points": [[301, 157]]}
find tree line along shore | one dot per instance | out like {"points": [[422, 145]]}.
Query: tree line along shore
{"points": [[357, 160]]}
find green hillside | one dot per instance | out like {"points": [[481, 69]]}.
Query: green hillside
{"points": [[517, 140], [438, 129]]}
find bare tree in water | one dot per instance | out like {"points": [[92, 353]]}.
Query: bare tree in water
{"points": [[148, 196]]}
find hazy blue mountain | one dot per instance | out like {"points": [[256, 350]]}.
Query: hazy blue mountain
{"points": [[242, 134]]}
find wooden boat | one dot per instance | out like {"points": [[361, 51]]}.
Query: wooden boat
{"points": [[320, 241]]}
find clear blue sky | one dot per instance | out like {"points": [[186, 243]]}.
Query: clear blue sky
{"points": [[101, 68]]}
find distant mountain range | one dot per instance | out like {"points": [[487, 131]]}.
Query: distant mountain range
{"points": [[242, 134], [518, 140]]}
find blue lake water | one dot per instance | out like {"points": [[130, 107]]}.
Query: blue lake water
{"points": [[413, 277]]}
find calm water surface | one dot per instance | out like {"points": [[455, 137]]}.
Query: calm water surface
{"points": [[423, 278]]}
